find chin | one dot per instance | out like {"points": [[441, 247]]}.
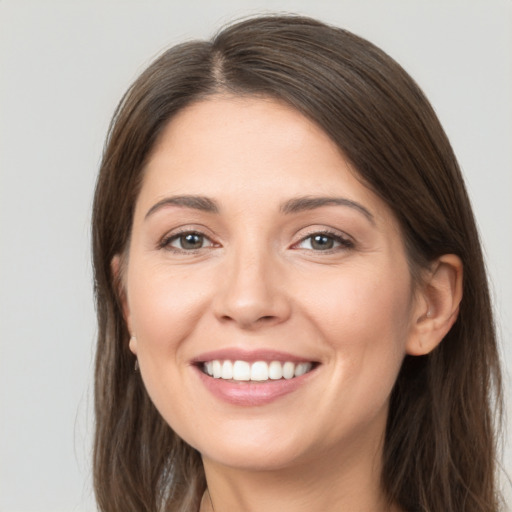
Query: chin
{"points": [[253, 458], [256, 447]]}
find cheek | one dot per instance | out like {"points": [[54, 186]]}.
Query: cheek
{"points": [[364, 319], [358, 301], [165, 306]]}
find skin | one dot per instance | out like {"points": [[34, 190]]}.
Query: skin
{"points": [[257, 281]]}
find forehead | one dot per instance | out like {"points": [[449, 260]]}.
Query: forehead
{"points": [[252, 150]]}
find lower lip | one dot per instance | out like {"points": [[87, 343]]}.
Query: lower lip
{"points": [[250, 393]]}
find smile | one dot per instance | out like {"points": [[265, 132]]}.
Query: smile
{"points": [[259, 371]]}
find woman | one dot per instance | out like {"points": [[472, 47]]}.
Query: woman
{"points": [[285, 251]]}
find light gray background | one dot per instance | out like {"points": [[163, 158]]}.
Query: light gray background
{"points": [[63, 67]]}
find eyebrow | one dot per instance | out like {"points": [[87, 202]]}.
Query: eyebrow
{"points": [[204, 204], [300, 204], [295, 205]]}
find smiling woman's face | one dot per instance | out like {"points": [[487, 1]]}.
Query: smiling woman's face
{"points": [[254, 242]]}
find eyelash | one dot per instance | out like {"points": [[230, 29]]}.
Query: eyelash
{"points": [[166, 242], [343, 243]]}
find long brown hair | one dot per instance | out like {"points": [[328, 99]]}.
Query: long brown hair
{"points": [[439, 452]]}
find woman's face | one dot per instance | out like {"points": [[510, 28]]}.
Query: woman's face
{"points": [[256, 255]]}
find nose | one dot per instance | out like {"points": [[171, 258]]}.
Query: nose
{"points": [[252, 292]]}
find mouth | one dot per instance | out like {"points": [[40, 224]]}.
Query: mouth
{"points": [[254, 377], [255, 371]]}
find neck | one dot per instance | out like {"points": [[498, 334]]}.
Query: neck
{"points": [[334, 482]]}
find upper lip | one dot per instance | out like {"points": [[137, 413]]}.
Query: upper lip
{"points": [[238, 354]]}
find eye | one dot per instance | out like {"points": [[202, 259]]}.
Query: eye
{"points": [[324, 242], [187, 241]]}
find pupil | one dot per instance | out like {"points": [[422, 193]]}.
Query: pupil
{"points": [[191, 241], [322, 242]]}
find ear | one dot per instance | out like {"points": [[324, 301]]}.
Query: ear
{"points": [[116, 267], [437, 305]]}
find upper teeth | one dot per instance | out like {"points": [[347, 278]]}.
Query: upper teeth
{"points": [[259, 370]]}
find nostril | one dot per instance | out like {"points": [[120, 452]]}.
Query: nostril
{"points": [[262, 319]]}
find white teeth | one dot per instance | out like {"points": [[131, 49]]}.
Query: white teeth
{"points": [[217, 370], [288, 370], [275, 370], [257, 371], [241, 370], [227, 370], [302, 368]]}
